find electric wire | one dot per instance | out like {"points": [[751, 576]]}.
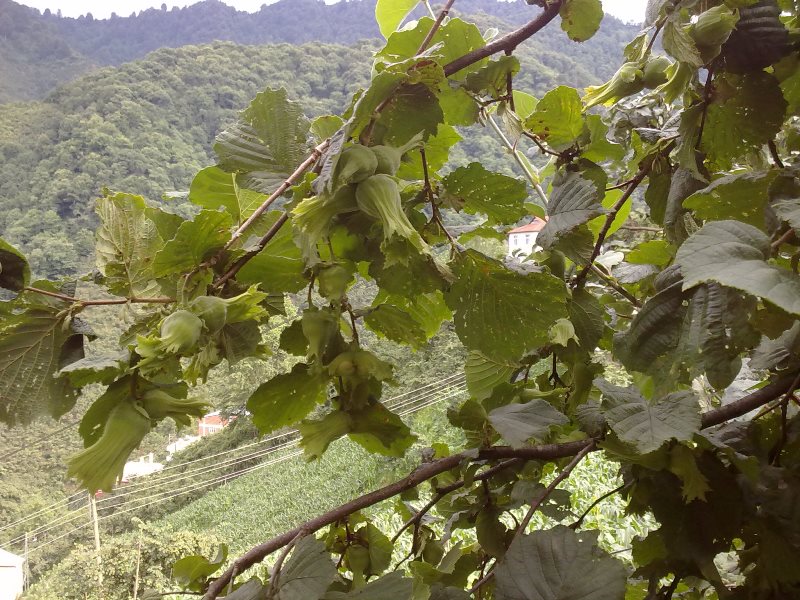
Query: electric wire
{"points": [[224, 478], [159, 477], [154, 482]]}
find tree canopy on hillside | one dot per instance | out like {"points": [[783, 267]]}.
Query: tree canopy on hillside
{"points": [[703, 292]]}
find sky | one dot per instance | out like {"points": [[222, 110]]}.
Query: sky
{"points": [[627, 10]]}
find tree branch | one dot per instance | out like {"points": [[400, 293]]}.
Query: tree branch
{"points": [[290, 181], [437, 24], [237, 266], [610, 217], [423, 473], [772, 391], [506, 43], [565, 472], [108, 302], [597, 501], [443, 491]]}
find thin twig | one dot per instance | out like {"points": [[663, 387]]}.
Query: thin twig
{"points": [[639, 228], [109, 302], [707, 90], [544, 149], [788, 235], [290, 181], [276, 569], [610, 217], [617, 287], [508, 42], [532, 177], [565, 472], [436, 217], [510, 86], [775, 454], [608, 494], [436, 25], [776, 158], [443, 491], [260, 245], [537, 503], [652, 42]]}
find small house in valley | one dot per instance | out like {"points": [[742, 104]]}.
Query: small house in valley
{"points": [[212, 423], [522, 240]]}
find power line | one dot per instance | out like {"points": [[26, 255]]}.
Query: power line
{"points": [[150, 483], [154, 479], [156, 498], [77, 513]]}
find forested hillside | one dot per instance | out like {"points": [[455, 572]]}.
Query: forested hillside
{"points": [[39, 51], [147, 126]]}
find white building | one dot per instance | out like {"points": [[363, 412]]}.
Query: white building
{"points": [[522, 240], [139, 468], [12, 575]]}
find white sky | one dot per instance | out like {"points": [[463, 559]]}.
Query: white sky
{"points": [[627, 10]]}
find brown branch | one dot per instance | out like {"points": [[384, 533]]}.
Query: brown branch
{"points": [[542, 148], [436, 217], [639, 228], [610, 217], [430, 470], [237, 266], [420, 475], [109, 302], [565, 472], [436, 25], [443, 491], [787, 236], [707, 92], [506, 43], [290, 181]]}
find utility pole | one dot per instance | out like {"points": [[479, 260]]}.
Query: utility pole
{"points": [[138, 563], [93, 516], [26, 573]]}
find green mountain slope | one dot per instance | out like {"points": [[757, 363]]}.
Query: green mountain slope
{"points": [[146, 127], [42, 50], [34, 56]]}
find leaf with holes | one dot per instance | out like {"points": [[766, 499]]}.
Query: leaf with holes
{"points": [[581, 18], [478, 191], [500, 312], [558, 118], [395, 324]]}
